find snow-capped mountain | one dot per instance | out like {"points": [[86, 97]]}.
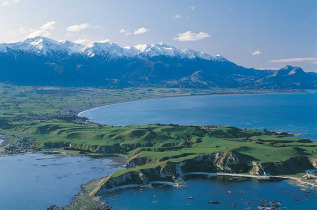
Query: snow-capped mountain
{"points": [[43, 61], [158, 50], [71, 47], [107, 49], [46, 46], [43, 46]]}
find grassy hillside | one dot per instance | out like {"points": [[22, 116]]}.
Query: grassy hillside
{"points": [[162, 142]]}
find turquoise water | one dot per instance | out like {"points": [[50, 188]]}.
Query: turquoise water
{"points": [[36, 181], [231, 195], [295, 113]]}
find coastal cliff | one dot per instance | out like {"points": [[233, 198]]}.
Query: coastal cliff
{"points": [[217, 162]]}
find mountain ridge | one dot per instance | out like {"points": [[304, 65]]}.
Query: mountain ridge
{"points": [[45, 62], [42, 46]]}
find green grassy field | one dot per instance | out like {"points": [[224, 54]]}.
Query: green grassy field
{"points": [[163, 142], [27, 100]]}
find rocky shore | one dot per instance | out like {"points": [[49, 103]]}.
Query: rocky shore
{"points": [[216, 164]]}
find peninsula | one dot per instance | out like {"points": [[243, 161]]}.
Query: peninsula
{"points": [[154, 153]]}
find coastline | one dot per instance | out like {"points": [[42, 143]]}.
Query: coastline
{"points": [[268, 178], [171, 183], [297, 134], [79, 113]]}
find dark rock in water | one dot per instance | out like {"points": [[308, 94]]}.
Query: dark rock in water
{"points": [[264, 206], [53, 207], [213, 202], [274, 206], [276, 202], [268, 206], [304, 190]]}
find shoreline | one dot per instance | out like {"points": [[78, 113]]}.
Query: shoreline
{"points": [[198, 95], [256, 177], [268, 178], [91, 120]]}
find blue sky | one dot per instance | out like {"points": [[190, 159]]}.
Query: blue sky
{"points": [[252, 33]]}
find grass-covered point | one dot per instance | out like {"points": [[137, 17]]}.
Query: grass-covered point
{"points": [[159, 143], [157, 149]]}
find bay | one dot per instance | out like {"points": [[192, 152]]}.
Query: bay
{"points": [[294, 113]]}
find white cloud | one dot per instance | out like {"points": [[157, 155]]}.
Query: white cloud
{"points": [[8, 2], [103, 41], [123, 31], [192, 7], [191, 36], [43, 30], [258, 52], [39, 32], [75, 28], [141, 30], [84, 41], [48, 26], [90, 41], [286, 60], [138, 31], [177, 16]]}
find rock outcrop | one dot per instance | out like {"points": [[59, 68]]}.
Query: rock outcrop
{"points": [[223, 161]]}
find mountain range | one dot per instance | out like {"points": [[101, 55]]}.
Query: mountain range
{"points": [[43, 61]]}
